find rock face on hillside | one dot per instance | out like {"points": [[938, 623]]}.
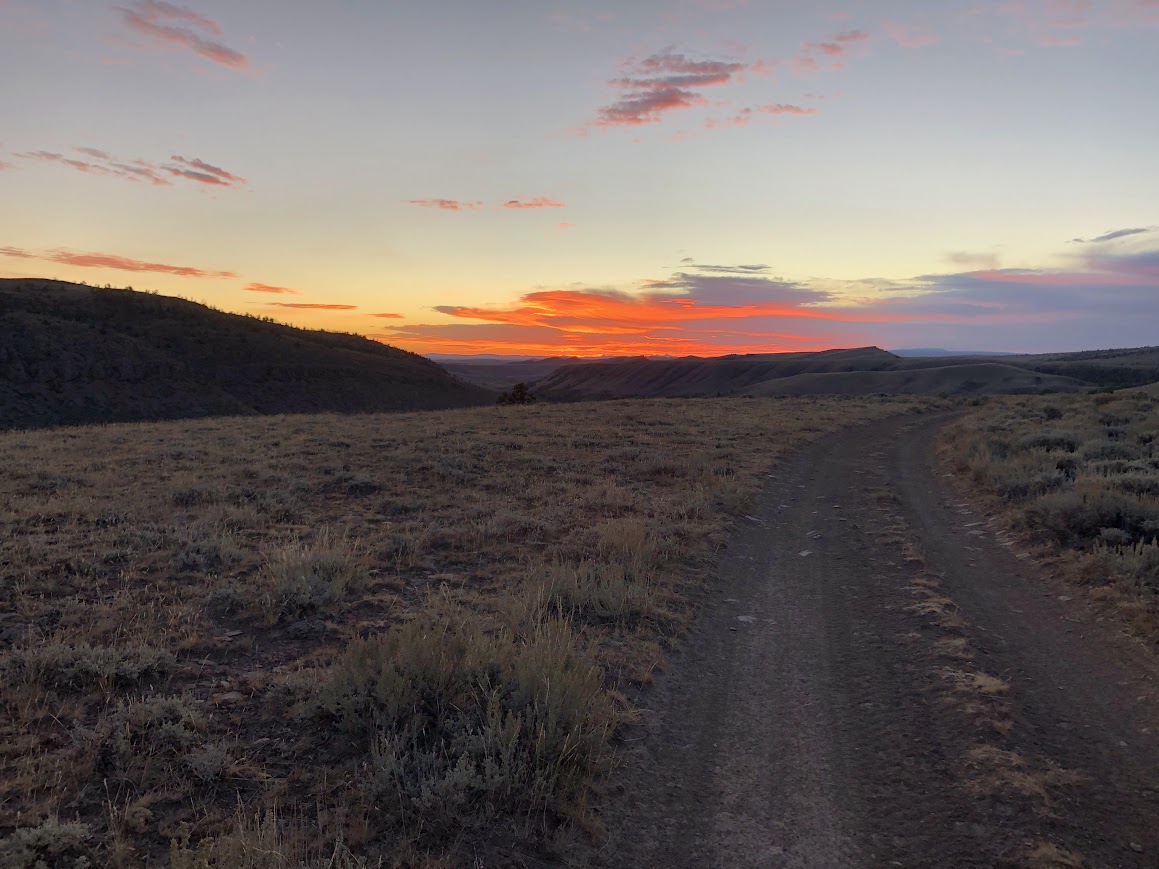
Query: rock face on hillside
{"points": [[73, 354]]}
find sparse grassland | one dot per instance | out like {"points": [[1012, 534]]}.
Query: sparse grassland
{"points": [[1080, 475], [343, 641]]}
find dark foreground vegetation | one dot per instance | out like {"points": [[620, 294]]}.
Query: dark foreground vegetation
{"points": [[407, 639], [1080, 474], [73, 355]]}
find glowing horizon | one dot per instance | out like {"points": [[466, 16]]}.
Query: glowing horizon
{"points": [[682, 177]]}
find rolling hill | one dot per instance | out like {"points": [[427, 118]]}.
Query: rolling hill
{"points": [[860, 371], [74, 354]]}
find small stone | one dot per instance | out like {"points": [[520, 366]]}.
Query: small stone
{"points": [[805, 553], [1136, 847], [748, 620], [231, 698]]}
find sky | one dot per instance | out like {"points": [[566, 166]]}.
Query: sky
{"points": [[654, 177]]}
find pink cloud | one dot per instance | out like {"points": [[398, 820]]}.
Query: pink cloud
{"points": [[445, 204], [661, 83], [181, 27], [538, 202], [833, 51], [786, 109], [267, 288], [112, 261], [566, 226], [911, 35], [102, 163], [203, 173], [1052, 41], [388, 316], [309, 306], [746, 115]]}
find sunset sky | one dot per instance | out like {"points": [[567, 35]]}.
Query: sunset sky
{"points": [[540, 177]]}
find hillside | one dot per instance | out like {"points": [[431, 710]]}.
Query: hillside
{"points": [[978, 378], [75, 354], [860, 371], [693, 376], [501, 375]]}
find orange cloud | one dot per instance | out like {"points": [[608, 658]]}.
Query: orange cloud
{"points": [[112, 261], [388, 316], [312, 306], [180, 27], [266, 288]]}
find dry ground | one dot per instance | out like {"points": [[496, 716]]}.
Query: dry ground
{"points": [[352, 641]]}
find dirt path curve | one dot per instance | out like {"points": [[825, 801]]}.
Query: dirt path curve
{"points": [[879, 680]]}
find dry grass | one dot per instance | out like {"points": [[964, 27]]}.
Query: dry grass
{"points": [[414, 634], [1079, 475]]}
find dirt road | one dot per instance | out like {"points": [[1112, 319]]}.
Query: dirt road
{"points": [[880, 680]]}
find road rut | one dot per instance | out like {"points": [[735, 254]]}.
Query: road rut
{"points": [[879, 680]]}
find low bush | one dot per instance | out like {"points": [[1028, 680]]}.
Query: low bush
{"points": [[597, 591], [465, 723], [82, 666], [300, 579], [51, 845]]}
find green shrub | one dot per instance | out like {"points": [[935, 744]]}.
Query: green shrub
{"points": [[51, 845], [1049, 440], [83, 666], [597, 591], [158, 742], [465, 723], [300, 579], [1104, 450], [1076, 519]]}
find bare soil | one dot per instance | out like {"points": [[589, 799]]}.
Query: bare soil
{"points": [[880, 680]]}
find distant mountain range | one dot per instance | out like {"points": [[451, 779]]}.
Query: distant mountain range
{"points": [[74, 354], [933, 353], [858, 371]]}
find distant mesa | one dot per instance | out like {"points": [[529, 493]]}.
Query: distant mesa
{"points": [[74, 354]]}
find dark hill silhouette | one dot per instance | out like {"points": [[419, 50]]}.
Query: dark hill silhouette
{"points": [[860, 371], [73, 354], [695, 376]]}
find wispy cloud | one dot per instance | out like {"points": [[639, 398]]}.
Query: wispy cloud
{"points": [[202, 172], [112, 261], [314, 306], [267, 288], [98, 162], [829, 55], [911, 35], [538, 202], [971, 260], [1117, 233], [388, 316], [744, 117], [661, 83], [445, 204], [182, 28]]}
